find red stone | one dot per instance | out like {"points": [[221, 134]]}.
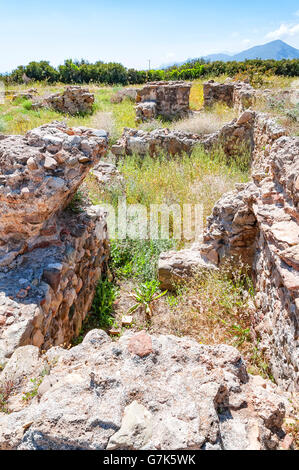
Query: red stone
{"points": [[140, 344]]}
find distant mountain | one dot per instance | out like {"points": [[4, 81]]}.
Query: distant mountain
{"points": [[214, 57], [276, 50]]}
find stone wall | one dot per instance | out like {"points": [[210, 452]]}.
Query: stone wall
{"points": [[167, 99], [258, 223], [50, 256], [165, 140], [237, 94], [276, 260], [234, 138]]}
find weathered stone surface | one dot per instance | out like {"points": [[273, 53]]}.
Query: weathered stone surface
{"points": [[234, 137], [30, 194], [258, 224], [167, 99], [236, 94], [177, 266], [136, 428], [107, 175], [73, 100], [146, 111], [232, 228], [50, 256], [183, 395]]}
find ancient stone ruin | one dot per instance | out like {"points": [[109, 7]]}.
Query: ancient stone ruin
{"points": [[169, 100], [258, 223], [108, 176], [143, 392], [50, 256], [239, 95], [73, 100], [142, 142]]}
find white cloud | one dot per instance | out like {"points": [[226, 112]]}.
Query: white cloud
{"points": [[246, 42], [285, 30], [297, 13]]}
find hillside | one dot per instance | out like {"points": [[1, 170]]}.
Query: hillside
{"points": [[276, 50]]}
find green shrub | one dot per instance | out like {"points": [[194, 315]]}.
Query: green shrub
{"points": [[27, 104], [100, 315]]}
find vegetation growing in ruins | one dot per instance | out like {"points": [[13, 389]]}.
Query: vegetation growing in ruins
{"points": [[137, 259], [17, 117], [213, 308], [100, 315], [195, 178], [145, 295]]}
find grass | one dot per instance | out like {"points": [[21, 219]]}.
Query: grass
{"points": [[285, 110], [18, 117], [195, 178], [213, 308], [206, 122]]}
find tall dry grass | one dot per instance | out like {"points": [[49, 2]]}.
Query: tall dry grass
{"points": [[206, 122]]}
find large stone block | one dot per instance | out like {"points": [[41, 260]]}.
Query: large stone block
{"points": [[167, 99], [178, 395], [73, 100]]}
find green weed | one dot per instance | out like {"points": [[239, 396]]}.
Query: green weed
{"points": [[144, 295]]}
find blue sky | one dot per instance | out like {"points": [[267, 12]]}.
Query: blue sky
{"points": [[132, 32]]}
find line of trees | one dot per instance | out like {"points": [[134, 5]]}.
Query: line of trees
{"points": [[114, 73]]}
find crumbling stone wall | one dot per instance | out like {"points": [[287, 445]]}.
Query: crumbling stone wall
{"points": [[50, 257], [142, 142], [239, 95], [120, 95], [73, 100], [167, 99], [258, 223], [234, 138], [276, 261]]}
